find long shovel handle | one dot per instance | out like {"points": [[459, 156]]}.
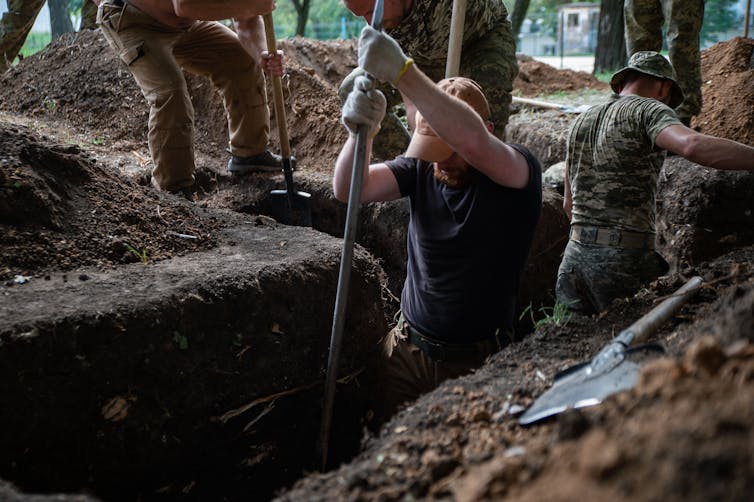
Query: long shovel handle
{"points": [[344, 279], [277, 94], [277, 89], [455, 42], [640, 331]]}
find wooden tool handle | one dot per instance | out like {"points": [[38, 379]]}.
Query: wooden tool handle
{"points": [[277, 90], [455, 42]]}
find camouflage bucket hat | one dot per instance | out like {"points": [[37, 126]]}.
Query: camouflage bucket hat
{"points": [[653, 64]]}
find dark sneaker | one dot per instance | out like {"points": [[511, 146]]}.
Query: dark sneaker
{"points": [[264, 162], [186, 193]]}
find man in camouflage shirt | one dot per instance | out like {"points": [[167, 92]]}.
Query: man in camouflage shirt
{"points": [[644, 20], [422, 28], [614, 155]]}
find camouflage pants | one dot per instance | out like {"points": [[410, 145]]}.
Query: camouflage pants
{"points": [[644, 21], [590, 277], [15, 27]]}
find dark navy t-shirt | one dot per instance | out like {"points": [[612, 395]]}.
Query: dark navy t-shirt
{"points": [[467, 249]]}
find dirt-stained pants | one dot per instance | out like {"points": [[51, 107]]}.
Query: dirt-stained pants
{"points": [[156, 55], [408, 373], [644, 21]]}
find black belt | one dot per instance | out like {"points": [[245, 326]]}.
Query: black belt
{"points": [[444, 351]]}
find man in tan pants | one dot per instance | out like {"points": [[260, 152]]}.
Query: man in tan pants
{"points": [[157, 39]]}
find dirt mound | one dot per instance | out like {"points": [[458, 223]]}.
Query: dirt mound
{"points": [[79, 79], [728, 91], [536, 78], [59, 209]]}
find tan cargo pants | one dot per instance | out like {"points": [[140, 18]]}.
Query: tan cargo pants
{"points": [[156, 55], [407, 372]]}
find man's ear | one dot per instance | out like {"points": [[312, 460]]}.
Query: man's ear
{"points": [[665, 90]]}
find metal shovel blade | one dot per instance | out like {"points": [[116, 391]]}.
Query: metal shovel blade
{"points": [[610, 371], [290, 206], [580, 389]]}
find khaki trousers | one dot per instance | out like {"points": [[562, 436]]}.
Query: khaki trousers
{"points": [[408, 373], [156, 55]]}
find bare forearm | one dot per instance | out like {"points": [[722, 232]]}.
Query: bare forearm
{"points": [[343, 168], [721, 153], [221, 9]]}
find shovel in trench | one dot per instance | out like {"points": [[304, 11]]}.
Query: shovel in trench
{"points": [[344, 276], [289, 206], [611, 370]]}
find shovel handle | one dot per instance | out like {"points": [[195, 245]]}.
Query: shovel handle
{"points": [[455, 42], [277, 89], [640, 331]]}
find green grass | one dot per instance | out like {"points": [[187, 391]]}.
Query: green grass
{"points": [[558, 315], [35, 42]]}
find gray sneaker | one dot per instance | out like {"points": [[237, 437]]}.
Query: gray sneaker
{"points": [[264, 162]]}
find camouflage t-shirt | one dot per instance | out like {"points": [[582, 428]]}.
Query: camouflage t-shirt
{"points": [[613, 162], [424, 36]]}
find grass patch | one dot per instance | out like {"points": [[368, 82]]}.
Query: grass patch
{"points": [[35, 42]]}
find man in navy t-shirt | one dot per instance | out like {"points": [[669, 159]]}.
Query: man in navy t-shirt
{"points": [[475, 202]]}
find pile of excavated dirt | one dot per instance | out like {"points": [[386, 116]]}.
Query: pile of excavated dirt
{"points": [[728, 91], [60, 210], [537, 78], [79, 79]]}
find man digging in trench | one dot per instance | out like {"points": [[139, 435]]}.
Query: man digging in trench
{"points": [[614, 155], [474, 204], [158, 39]]}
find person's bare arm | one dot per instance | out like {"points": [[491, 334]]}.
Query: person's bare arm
{"points": [[710, 151], [379, 182], [212, 10], [464, 131]]}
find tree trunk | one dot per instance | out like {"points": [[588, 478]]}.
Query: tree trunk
{"points": [[88, 16], [302, 10], [60, 17], [517, 16], [15, 27], [610, 54]]}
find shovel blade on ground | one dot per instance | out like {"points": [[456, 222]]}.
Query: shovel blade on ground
{"points": [[580, 389]]}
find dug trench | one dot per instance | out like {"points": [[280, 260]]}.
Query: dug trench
{"points": [[158, 349]]}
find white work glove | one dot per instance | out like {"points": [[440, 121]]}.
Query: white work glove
{"points": [[381, 56], [365, 105]]}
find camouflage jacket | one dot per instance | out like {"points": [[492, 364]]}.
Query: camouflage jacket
{"points": [[613, 163], [425, 32]]}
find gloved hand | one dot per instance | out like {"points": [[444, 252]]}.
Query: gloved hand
{"points": [[346, 86], [365, 105], [381, 56]]}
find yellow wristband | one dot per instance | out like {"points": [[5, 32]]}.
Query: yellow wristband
{"points": [[403, 71]]}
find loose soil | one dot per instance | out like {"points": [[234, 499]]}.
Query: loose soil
{"points": [[133, 365]]}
